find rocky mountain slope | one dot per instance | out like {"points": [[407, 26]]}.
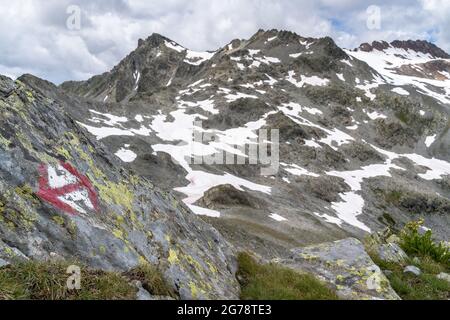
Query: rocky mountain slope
{"points": [[363, 144], [364, 139]]}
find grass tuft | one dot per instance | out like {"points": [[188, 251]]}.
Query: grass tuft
{"points": [[411, 287], [274, 282], [152, 280], [47, 280], [430, 257]]}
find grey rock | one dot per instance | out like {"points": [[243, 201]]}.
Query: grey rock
{"points": [[393, 239], [444, 276], [142, 294], [3, 263], [6, 85], [413, 270], [135, 222], [346, 266], [391, 252]]}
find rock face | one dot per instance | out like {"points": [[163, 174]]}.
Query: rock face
{"points": [[413, 45], [347, 267], [63, 195], [226, 196]]}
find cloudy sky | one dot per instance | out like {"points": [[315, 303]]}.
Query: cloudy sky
{"points": [[43, 38]]}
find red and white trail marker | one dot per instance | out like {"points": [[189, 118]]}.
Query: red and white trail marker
{"points": [[66, 189]]}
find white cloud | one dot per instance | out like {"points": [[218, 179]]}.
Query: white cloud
{"points": [[34, 37]]}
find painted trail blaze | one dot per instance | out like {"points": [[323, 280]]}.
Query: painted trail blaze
{"points": [[66, 189]]}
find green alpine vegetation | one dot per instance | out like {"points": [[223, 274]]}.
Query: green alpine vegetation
{"points": [[34, 280], [274, 282], [430, 257]]}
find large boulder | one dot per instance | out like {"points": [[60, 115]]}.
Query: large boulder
{"points": [[391, 252], [385, 245], [64, 195], [346, 266], [226, 196]]}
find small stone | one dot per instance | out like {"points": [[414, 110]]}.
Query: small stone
{"points": [[444, 276], [413, 269], [142, 294]]}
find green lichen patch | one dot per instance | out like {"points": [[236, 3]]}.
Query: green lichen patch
{"points": [[17, 208], [4, 142], [116, 193]]}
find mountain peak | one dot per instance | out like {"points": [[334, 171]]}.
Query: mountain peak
{"points": [[421, 46], [154, 40], [284, 35]]}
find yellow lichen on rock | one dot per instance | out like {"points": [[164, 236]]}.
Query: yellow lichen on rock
{"points": [[59, 220], [211, 267], [173, 257], [193, 262], [4, 142], [64, 152], [116, 193], [118, 234], [194, 290], [30, 96]]}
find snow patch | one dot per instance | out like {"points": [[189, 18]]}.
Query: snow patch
{"points": [[204, 212], [313, 80], [174, 46], [400, 91], [277, 217], [197, 58], [126, 155], [430, 140]]}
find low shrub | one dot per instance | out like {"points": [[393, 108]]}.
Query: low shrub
{"points": [[415, 243]]}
